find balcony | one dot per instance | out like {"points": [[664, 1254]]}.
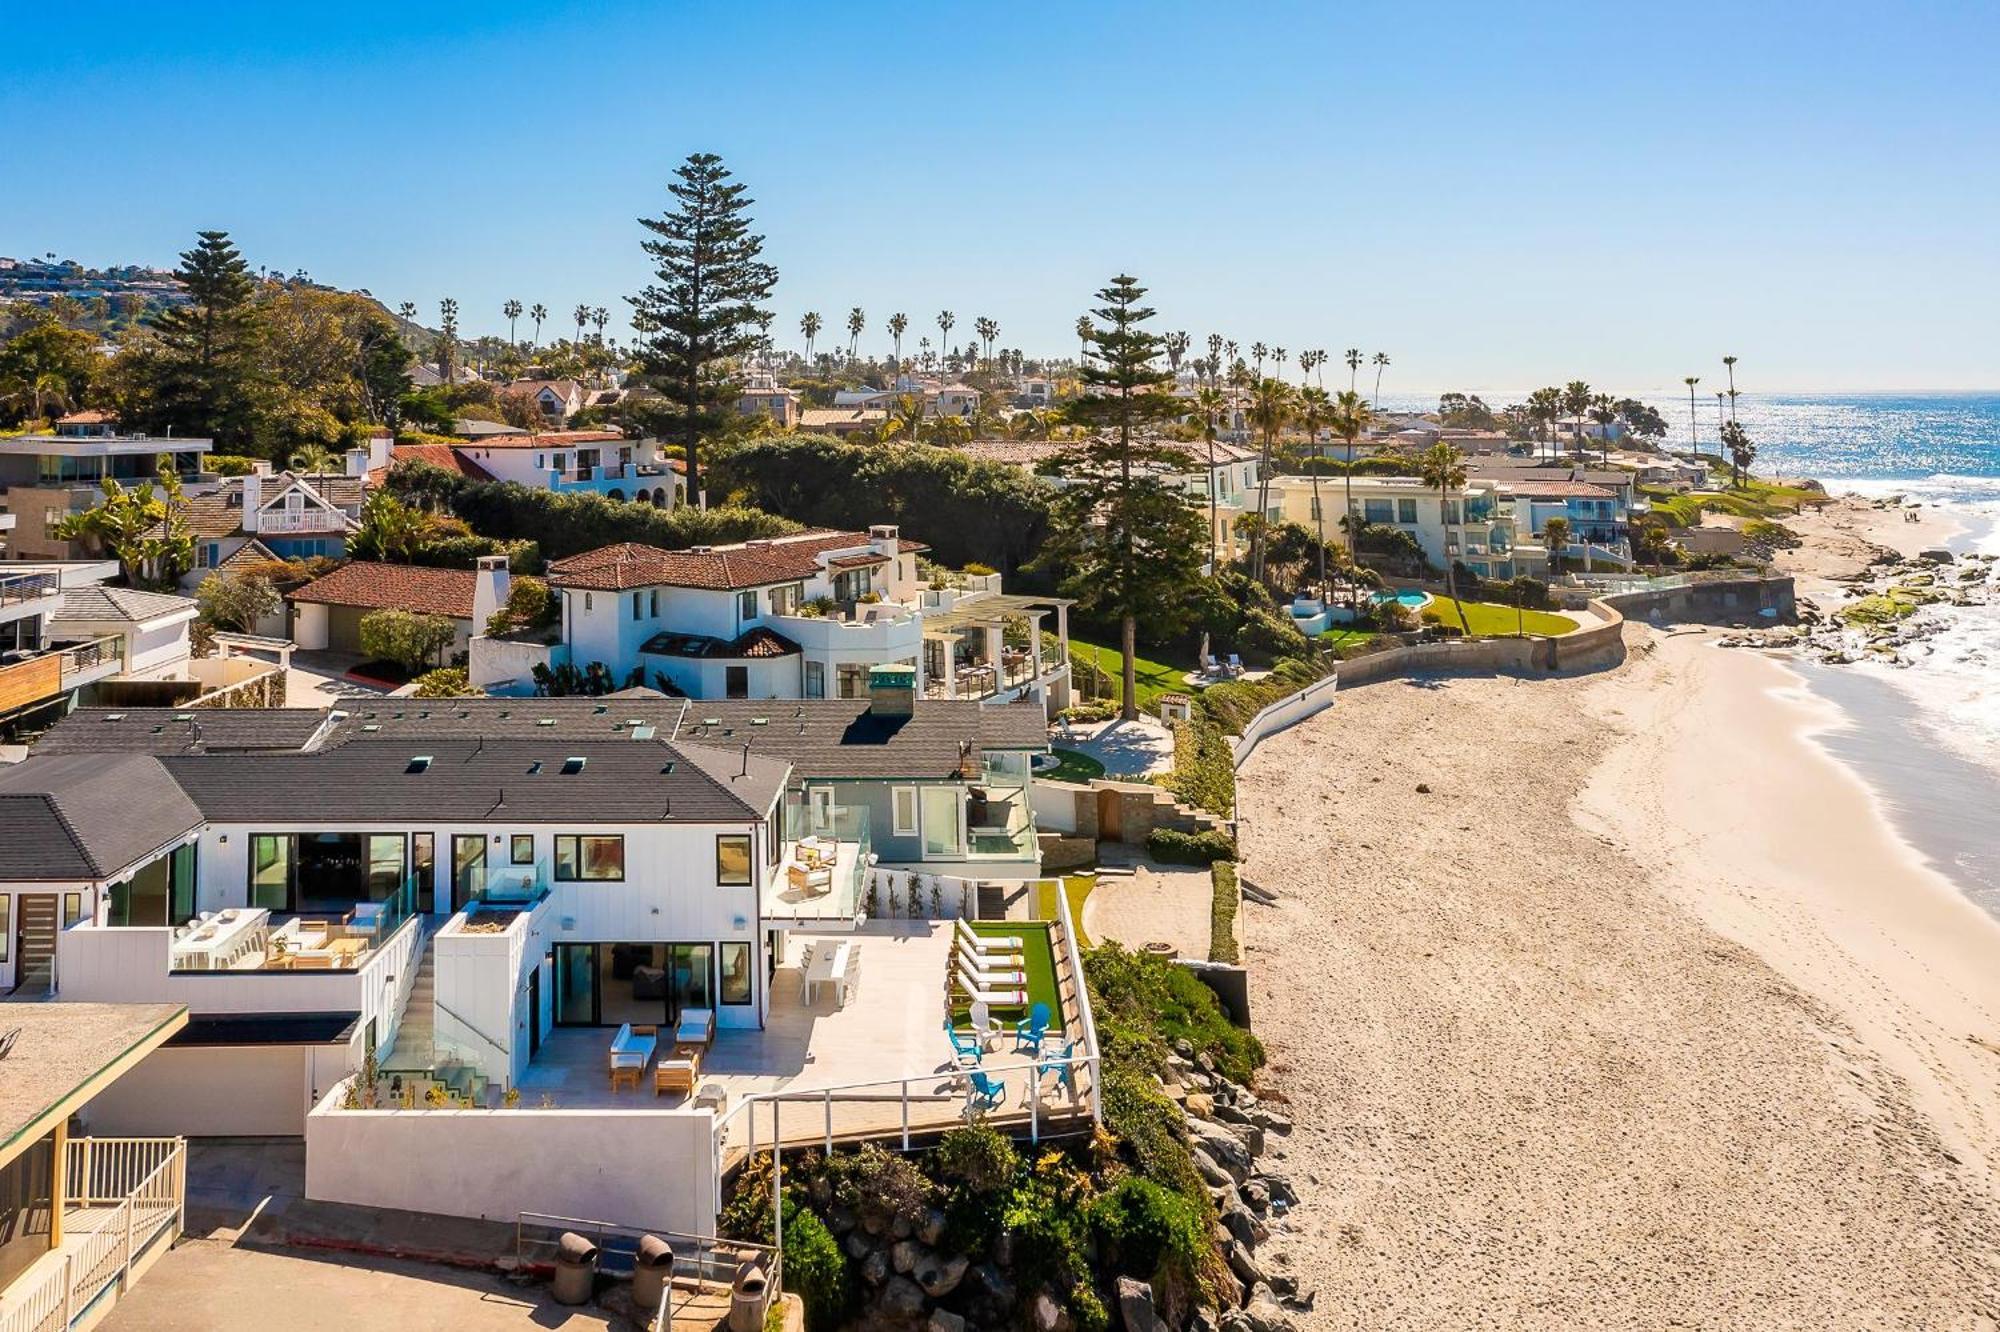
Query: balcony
{"points": [[879, 631], [31, 676], [121, 1200], [818, 881], [280, 522], [27, 588]]}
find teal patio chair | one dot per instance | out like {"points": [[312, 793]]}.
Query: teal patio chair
{"points": [[1031, 1030]]}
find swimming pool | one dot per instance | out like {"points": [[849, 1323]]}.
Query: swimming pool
{"points": [[1409, 596]]}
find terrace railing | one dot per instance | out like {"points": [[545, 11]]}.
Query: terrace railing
{"points": [[17, 588], [144, 1183], [83, 657]]}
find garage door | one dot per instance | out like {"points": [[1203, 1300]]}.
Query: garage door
{"points": [[343, 628]]}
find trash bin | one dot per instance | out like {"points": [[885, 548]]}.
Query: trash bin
{"points": [[576, 1270], [747, 1297], [652, 1269]]}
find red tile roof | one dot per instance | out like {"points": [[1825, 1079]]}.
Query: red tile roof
{"points": [[719, 568], [437, 455], [552, 439], [409, 587], [88, 418]]}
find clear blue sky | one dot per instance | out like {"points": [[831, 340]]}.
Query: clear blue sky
{"points": [[1495, 198]]}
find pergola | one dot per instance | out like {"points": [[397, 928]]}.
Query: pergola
{"points": [[986, 617]]}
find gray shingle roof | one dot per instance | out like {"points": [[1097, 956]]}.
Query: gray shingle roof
{"points": [[844, 738], [520, 781], [608, 718], [88, 816], [180, 731], [117, 603]]}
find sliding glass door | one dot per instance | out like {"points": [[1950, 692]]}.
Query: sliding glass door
{"points": [[324, 873], [468, 868], [646, 984]]}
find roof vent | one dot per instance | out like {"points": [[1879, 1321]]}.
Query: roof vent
{"points": [[600, 709], [535, 768], [572, 766], [114, 716], [545, 721], [760, 721], [183, 716], [668, 770], [421, 763], [371, 726]]}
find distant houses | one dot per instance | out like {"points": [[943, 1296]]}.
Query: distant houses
{"points": [[47, 475]]}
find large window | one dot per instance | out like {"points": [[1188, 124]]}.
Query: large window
{"points": [[521, 848], [853, 584], [735, 959], [1406, 511], [327, 873], [606, 984], [903, 811], [161, 893], [746, 605], [1378, 510], [785, 600], [732, 860], [815, 679], [589, 857], [943, 838]]}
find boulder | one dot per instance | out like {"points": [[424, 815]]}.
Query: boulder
{"points": [[1256, 1196], [1048, 1316], [857, 1244], [904, 1255], [931, 1229], [839, 1219], [875, 1268], [902, 1227], [1248, 1134], [1199, 1104], [1246, 1229], [988, 1283], [1212, 1174], [1243, 1263], [1280, 1189], [938, 1274], [1265, 1314], [1135, 1307], [901, 1299], [942, 1321], [1222, 1147], [875, 1223]]}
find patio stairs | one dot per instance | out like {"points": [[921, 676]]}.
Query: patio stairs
{"points": [[415, 1055]]}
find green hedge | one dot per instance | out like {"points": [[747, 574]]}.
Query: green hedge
{"points": [[1222, 945], [1174, 847], [1234, 702], [1204, 772]]}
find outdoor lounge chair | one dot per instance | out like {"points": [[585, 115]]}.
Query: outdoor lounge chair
{"points": [[1002, 996], [1030, 1031], [696, 1027], [984, 1028], [992, 971], [986, 943], [986, 1094], [965, 1050], [678, 1072], [1235, 664], [631, 1050]]}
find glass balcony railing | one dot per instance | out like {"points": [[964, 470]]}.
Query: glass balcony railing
{"points": [[824, 869]]}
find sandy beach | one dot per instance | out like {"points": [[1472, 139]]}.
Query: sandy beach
{"points": [[1638, 1017], [1842, 537]]}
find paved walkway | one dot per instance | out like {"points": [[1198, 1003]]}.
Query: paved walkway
{"points": [[1154, 904], [1126, 748]]}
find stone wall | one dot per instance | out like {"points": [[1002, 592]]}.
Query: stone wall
{"points": [[1715, 601]]}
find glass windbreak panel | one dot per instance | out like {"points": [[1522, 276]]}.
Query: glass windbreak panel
{"points": [[423, 867], [26, 1190], [735, 973], [693, 986], [270, 871], [632, 984], [942, 835], [576, 985], [468, 868]]}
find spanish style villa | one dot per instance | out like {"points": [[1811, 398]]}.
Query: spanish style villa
{"points": [[46, 477], [803, 616], [326, 613], [497, 895]]}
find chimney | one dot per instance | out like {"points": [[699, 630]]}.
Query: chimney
{"points": [[253, 492], [490, 587], [357, 462], [882, 539], [381, 448], [892, 689]]}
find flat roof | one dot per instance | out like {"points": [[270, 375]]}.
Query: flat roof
{"points": [[58, 1056], [238, 1029]]}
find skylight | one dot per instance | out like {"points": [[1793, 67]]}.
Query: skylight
{"points": [[421, 763], [572, 766]]}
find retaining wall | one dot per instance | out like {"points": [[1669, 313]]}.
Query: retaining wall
{"points": [[1719, 601]]}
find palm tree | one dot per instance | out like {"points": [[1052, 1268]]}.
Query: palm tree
{"points": [[580, 316], [1719, 417], [538, 312], [1314, 407], [1441, 466], [1381, 362], [1544, 407], [1083, 332], [1742, 452], [1351, 417], [1278, 361], [1257, 353], [1270, 408], [1214, 352], [1604, 411], [1353, 366], [1175, 345], [1555, 540], [945, 320], [1694, 432], [987, 330], [1729, 363], [1576, 397], [1210, 403], [810, 324], [924, 352], [447, 338], [856, 321], [512, 309], [600, 317], [898, 325], [407, 311], [313, 460]]}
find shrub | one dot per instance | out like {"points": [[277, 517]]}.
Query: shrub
{"points": [[1270, 633], [1773, 535], [815, 1268], [880, 1183], [1146, 1231], [229, 464], [1174, 847], [446, 682], [1222, 946], [405, 637], [1234, 702], [1204, 772], [978, 1156], [1531, 593], [1150, 994], [236, 601]]}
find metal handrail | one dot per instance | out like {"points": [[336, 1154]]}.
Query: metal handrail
{"points": [[15, 588]]}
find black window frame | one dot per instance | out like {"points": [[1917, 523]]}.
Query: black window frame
{"points": [[749, 879], [514, 856], [576, 841]]}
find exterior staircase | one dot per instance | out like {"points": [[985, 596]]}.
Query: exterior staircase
{"points": [[415, 1057]]}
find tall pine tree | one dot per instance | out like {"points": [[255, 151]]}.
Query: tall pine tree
{"points": [[204, 372], [703, 311], [1130, 543]]}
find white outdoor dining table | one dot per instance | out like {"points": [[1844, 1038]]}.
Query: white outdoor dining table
{"points": [[828, 965]]}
